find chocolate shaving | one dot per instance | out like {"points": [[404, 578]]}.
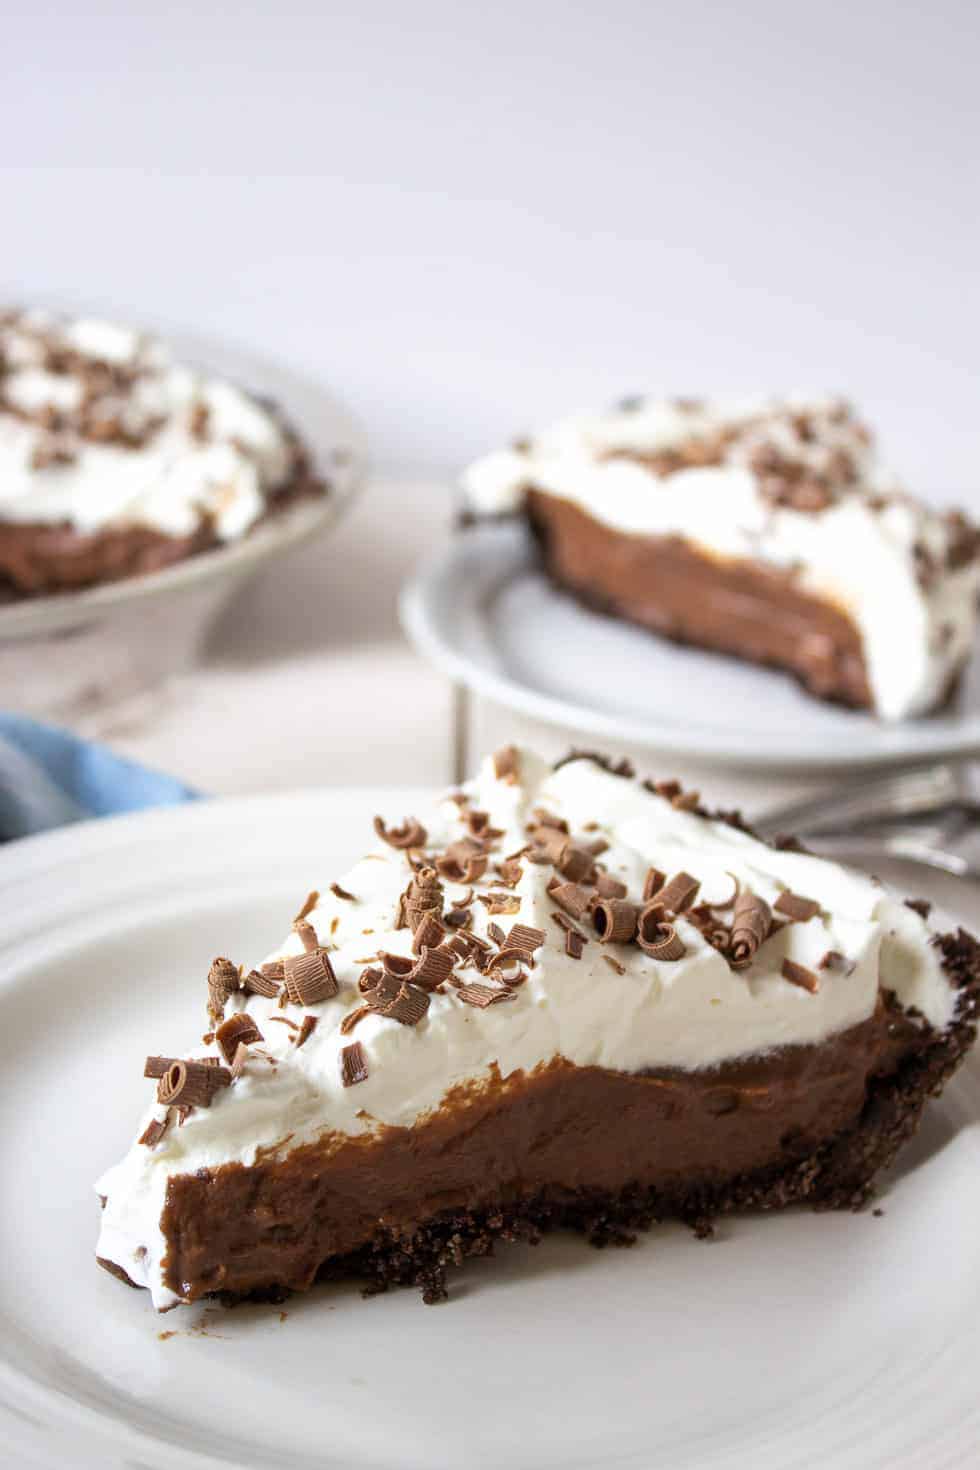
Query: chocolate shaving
{"points": [[353, 1064], [510, 872], [483, 995], [572, 898], [596, 848], [574, 944], [339, 892], [501, 903], [795, 907], [837, 963], [801, 976], [309, 978], [191, 1084], [456, 918], [656, 937], [306, 1030], [614, 964], [668, 789], [506, 764], [273, 970], [575, 863], [258, 984], [158, 1066], [653, 883], [239, 1028], [155, 1129], [679, 893], [423, 896], [496, 933], [464, 861], [524, 936], [686, 801], [614, 920], [223, 981], [240, 1059], [433, 969], [544, 818], [408, 1006], [550, 844], [309, 904], [565, 923], [306, 934], [428, 934], [398, 966], [609, 887], [751, 927], [352, 1018], [410, 834]]}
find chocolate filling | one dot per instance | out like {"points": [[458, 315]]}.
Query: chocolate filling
{"points": [[38, 559], [584, 1147], [738, 607]]}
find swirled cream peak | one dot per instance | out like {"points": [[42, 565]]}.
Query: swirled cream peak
{"points": [[606, 1004], [793, 483], [100, 428]]}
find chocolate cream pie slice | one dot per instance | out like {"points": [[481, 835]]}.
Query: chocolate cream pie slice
{"points": [[116, 460], [764, 529], [560, 998]]}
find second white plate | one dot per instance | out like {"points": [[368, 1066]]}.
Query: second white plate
{"points": [[483, 611]]}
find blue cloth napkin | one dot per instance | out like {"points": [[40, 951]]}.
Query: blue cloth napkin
{"points": [[49, 777]]}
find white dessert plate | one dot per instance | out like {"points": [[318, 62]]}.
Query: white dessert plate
{"points": [[78, 656], [789, 1341], [482, 610]]}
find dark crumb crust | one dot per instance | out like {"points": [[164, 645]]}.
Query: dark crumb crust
{"points": [[835, 1176]]}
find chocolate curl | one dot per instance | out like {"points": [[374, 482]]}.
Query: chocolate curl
{"points": [[223, 981], [609, 887], [653, 883], [273, 970], [549, 843], [433, 968], [429, 934], [796, 907], [238, 1029], [544, 818], [306, 934], [668, 789], [408, 1006], [191, 1084], [309, 978], [576, 863], [801, 976], [463, 861], [154, 1130], [256, 983], [679, 893], [157, 1066], [510, 872], [686, 801], [410, 834], [656, 937], [524, 936], [398, 966], [353, 1064], [614, 920], [423, 896], [506, 764], [751, 924], [570, 897], [483, 995]]}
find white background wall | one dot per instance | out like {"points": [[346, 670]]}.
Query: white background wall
{"points": [[469, 217]]}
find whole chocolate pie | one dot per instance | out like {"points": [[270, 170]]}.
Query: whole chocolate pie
{"points": [[764, 529], [560, 998], [115, 460]]}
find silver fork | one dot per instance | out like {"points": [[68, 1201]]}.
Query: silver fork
{"points": [[928, 816]]}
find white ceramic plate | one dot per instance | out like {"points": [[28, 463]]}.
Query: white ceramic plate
{"points": [[790, 1341], [482, 610], [78, 656]]}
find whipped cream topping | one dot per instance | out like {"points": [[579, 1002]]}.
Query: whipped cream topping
{"points": [[692, 1013], [794, 483], [100, 428]]}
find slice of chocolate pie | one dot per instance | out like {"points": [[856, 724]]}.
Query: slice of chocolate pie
{"points": [[764, 529], [559, 998]]}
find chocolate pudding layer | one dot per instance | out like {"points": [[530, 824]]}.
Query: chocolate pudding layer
{"points": [[737, 607]]}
